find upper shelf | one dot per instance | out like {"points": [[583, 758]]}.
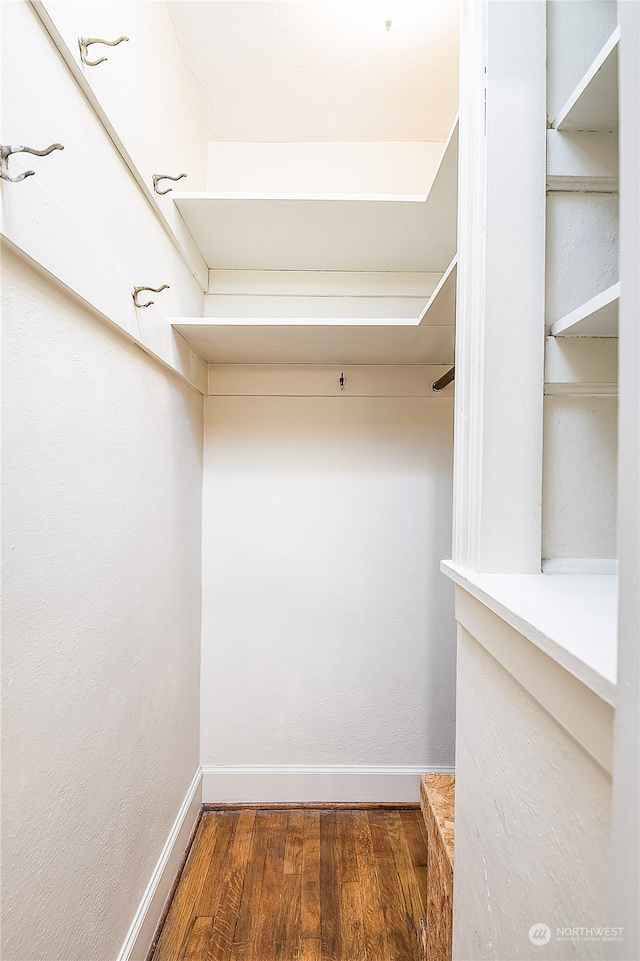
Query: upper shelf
{"points": [[329, 232], [593, 105], [441, 306], [598, 317], [312, 342]]}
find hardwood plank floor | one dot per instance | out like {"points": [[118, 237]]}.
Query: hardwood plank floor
{"points": [[300, 885]]}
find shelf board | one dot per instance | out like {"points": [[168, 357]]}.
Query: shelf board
{"points": [[597, 318], [329, 231], [593, 105], [316, 341], [441, 306]]}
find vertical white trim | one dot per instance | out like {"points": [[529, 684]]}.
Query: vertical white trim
{"points": [[146, 919], [625, 892], [501, 260], [472, 216]]}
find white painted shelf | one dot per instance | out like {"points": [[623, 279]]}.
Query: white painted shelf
{"points": [[317, 341], [598, 317], [593, 105], [330, 339], [329, 232], [440, 309], [573, 618]]}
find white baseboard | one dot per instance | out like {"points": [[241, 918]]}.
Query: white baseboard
{"points": [[146, 919], [302, 783]]}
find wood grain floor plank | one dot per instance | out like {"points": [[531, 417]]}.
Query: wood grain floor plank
{"points": [[247, 914], [207, 904], [310, 895], [231, 885], [288, 926], [243, 951], [271, 889], [293, 843], [177, 926], [379, 836], [415, 909], [310, 949], [346, 847], [415, 840], [351, 919], [198, 940], [330, 933], [375, 934], [399, 939]]}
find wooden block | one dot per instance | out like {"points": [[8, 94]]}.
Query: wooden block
{"points": [[437, 798]]}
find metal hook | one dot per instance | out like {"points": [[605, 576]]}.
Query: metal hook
{"points": [[342, 381], [6, 151], [85, 42], [157, 177], [155, 290]]}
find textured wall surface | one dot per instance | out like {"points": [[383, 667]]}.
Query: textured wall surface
{"points": [[327, 628], [532, 822], [101, 621], [579, 477]]}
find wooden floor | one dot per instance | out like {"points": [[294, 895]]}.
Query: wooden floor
{"points": [[309, 885]]}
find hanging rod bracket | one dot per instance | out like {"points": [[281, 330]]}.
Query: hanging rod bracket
{"points": [[7, 150], [85, 42]]}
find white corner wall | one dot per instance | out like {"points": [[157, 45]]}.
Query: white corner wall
{"points": [[328, 639], [341, 168], [101, 622]]}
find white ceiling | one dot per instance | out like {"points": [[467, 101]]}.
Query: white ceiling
{"points": [[317, 70]]}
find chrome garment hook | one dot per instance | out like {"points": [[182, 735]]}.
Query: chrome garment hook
{"points": [[157, 177], [85, 42], [6, 151], [154, 290]]}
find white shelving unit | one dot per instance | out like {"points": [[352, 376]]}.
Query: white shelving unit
{"points": [[598, 317], [259, 232], [347, 232], [580, 425], [593, 105], [426, 339]]}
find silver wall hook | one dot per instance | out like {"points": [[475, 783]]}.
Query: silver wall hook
{"points": [[85, 42], [6, 151], [154, 290], [158, 177], [342, 381]]}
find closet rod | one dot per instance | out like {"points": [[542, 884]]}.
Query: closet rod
{"points": [[444, 381]]}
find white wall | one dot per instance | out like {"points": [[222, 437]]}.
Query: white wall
{"points": [[327, 629], [101, 539], [532, 821], [579, 477], [360, 168]]}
